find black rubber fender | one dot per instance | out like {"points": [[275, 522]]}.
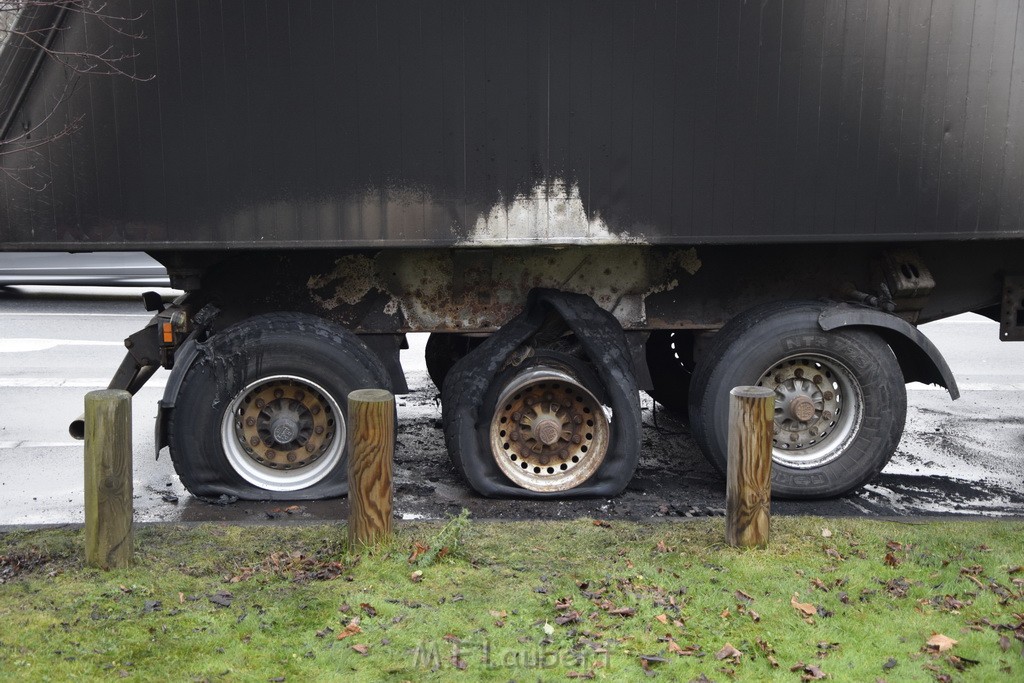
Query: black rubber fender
{"points": [[918, 357], [466, 385]]}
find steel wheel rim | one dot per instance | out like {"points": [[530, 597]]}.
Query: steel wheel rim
{"points": [[283, 433], [548, 433], [819, 409]]}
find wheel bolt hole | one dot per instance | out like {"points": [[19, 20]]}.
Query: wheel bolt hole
{"points": [[583, 449], [536, 470], [563, 467], [575, 458], [524, 465], [551, 470]]}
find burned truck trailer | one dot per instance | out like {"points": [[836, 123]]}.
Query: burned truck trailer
{"points": [[579, 200]]}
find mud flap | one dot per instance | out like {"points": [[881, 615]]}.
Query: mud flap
{"points": [[467, 416]]}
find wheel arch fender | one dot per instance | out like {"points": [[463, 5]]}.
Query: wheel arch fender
{"points": [[184, 358], [919, 359]]}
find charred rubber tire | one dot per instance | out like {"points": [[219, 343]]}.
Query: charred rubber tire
{"points": [[443, 351], [670, 362], [841, 401], [261, 413]]}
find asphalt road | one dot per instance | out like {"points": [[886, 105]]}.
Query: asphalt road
{"points": [[956, 458]]}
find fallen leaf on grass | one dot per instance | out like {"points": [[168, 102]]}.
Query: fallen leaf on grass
{"points": [[577, 674], [548, 628], [222, 598], [361, 649], [602, 523], [368, 609], [351, 629], [663, 548], [567, 618], [891, 560], [805, 608], [940, 643], [812, 673], [744, 597], [622, 611], [662, 618], [1004, 643], [418, 548], [729, 652], [416, 576], [1016, 570], [889, 664]]}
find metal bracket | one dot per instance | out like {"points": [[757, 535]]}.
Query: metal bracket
{"points": [[1011, 318]]}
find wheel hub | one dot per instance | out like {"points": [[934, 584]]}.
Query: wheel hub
{"points": [[549, 433], [814, 409], [282, 433]]}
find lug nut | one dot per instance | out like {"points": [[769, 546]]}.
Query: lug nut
{"points": [[529, 401], [299, 395], [261, 404], [278, 393], [544, 458], [318, 429], [794, 437], [828, 396], [255, 441], [315, 410], [517, 416], [778, 379], [577, 420], [291, 457], [812, 431], [818, 379], [799, 372], [567, 403], [577, 439], [827, 415], [250, 421], [271, 455], [514, 436], [310, 448]]}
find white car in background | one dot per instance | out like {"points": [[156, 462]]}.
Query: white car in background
{"points": [[101, 268]]}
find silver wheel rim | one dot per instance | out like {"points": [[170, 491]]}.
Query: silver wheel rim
{"points": [[819, 409], [548, 433], [283, 433]]}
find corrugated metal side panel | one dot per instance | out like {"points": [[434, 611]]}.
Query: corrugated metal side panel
{"points": [[468, 122]]}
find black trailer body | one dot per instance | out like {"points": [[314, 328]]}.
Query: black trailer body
{"points": [[600, 186]]}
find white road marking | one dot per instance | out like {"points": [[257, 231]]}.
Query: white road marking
{"points": [[30, 345], [40, 444], [60, 383]]}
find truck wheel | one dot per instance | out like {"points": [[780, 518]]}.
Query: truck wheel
{"points": [[547, 429], [840, 399], [261, 413], [670, 362]]}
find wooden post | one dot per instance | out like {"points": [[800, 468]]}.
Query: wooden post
{"points": [[371, 449], [109, 540], [749, 479]]}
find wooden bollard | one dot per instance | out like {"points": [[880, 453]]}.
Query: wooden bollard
{"points": [[371, 449], [109, 539], [749, 479]]}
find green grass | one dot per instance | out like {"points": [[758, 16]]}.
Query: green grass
{"points": [[492, 609]]}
